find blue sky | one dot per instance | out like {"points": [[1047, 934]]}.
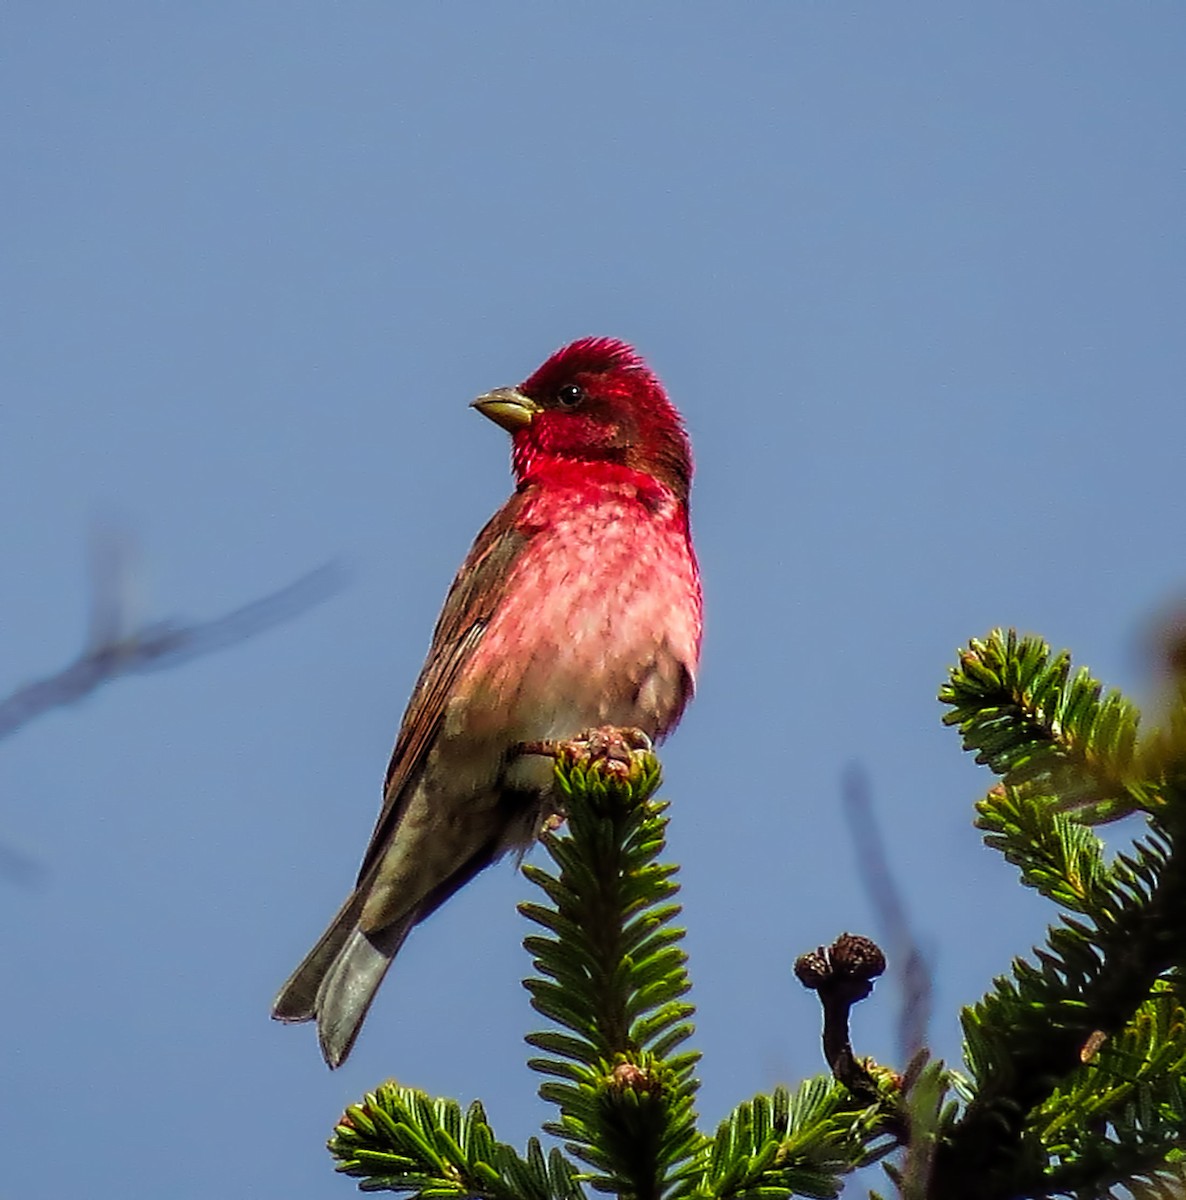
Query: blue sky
{"points": [[915, 275]]}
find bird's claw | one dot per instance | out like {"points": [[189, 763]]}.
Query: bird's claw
{"points": [[608, 745]]}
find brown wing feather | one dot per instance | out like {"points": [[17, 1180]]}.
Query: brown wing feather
{"points": [[472, 600]]}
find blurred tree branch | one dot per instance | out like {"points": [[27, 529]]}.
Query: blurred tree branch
{"points": [[889, 908], [117, 645]]}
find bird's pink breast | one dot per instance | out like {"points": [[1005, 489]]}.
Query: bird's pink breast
{"points": [[600, 622]]}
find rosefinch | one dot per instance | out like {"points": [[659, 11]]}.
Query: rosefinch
{"points": [[578, 606]]}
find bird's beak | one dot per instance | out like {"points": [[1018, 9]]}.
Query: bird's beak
{"points": [[508, 408]]}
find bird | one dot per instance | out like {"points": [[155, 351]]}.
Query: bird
{"points": [[579, 606]]}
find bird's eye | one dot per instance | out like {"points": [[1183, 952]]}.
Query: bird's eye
{"points": [[570, 395]]}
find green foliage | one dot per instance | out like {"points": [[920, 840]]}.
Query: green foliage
{"points": [[801, 1144], [399, 1140], [1028, 719], [1119, 1112], [1044, 1115], [1075, 1080]]}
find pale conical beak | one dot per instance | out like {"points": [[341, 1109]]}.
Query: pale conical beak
{"points": [[508, 408]]}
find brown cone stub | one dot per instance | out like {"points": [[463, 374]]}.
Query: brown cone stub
{"points": [[813, 969], [849, 964], [842, 974], [859, 957]]}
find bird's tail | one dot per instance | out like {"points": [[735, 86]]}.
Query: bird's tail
{"points": [[339, 977]]}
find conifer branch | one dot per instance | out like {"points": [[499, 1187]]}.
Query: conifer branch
{"points": [[1068, 759], [1030, 721], [612, 976], [401, 1140], [794, 1144]]}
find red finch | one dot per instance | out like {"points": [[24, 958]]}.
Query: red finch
{"points": [[578, 606]]}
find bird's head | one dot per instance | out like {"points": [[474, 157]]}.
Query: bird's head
{"points": [[595, 400]]}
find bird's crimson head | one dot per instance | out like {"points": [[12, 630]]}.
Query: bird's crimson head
{"points": [[595, 400]]}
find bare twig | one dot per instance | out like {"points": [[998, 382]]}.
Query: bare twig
{"points": [[913, 975], [889, 909], [115, 647]]}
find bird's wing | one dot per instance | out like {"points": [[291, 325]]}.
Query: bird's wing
{"points": [[473, 598]]}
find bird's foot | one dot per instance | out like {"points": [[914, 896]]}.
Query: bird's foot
{"points": [[613, 748]]}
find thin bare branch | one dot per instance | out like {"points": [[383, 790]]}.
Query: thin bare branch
{"points": [[116, 648], [889, 909]]}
